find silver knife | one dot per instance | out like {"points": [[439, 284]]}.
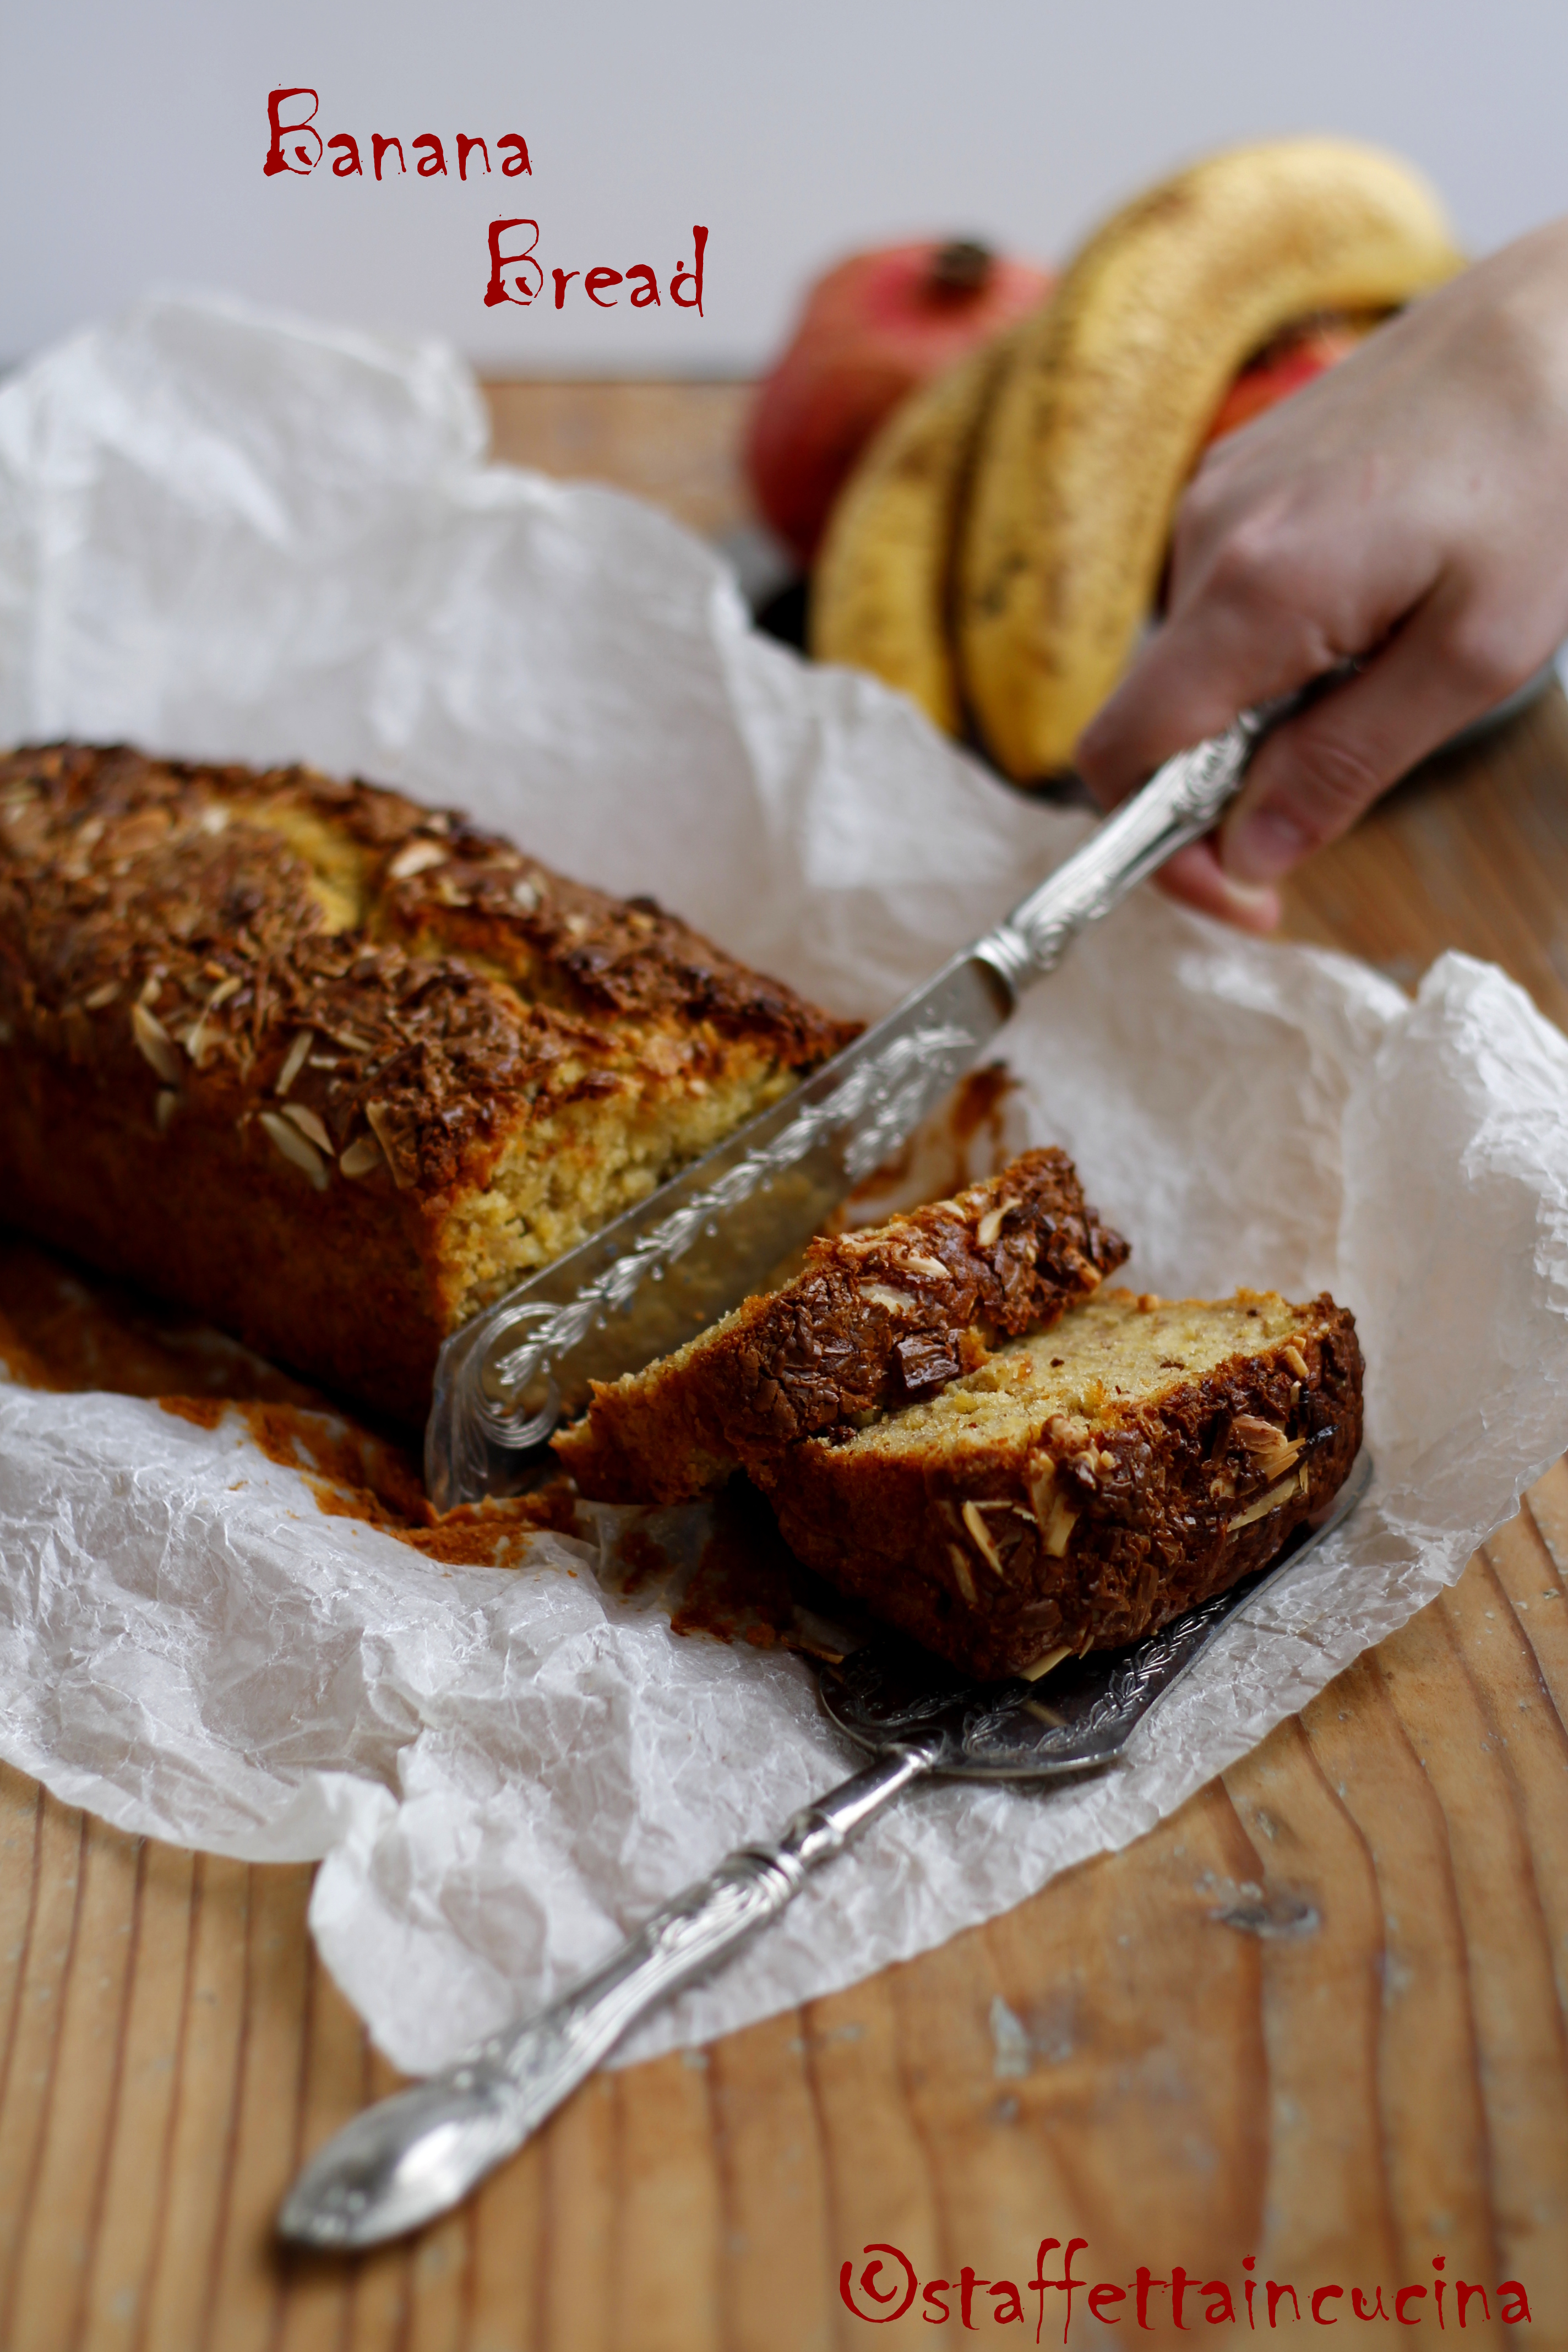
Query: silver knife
{"points": [[697, 1246]]}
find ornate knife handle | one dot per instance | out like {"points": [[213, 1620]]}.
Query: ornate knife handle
{"points": [[1179, 804], [413, 2156]]}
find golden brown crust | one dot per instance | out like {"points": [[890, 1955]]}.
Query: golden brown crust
{"points": [[875, 1318], [1095, 1535], [265, 1032]]}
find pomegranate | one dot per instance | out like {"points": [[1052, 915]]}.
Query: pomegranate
{"points": [[1291, 360], [872, 329]]}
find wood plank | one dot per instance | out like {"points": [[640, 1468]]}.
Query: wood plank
{"points": [[1327, 2213], [33, 2046], [772, 2191], [140, 2134], [1429, 2119], [59, 2232], [677, 445], [207, 2067], [1522, 2059]]}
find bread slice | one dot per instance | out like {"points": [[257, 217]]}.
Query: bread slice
{"points": [[875, 1319], [1086, 1483], [332, 1069]]}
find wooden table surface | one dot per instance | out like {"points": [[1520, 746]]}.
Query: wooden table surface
{"points": [[1367, 2070]]}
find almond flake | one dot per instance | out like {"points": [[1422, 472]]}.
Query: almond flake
{"points": [[1264, 1504], [309, 1124], [155, 1044], [1042, 1493], [361, 1157], [1043, 1666], [879, 1294], [962, 1575], [294, 1062], [1297, 1361], [416, 857], [980, 1535], [990, 1225], [1059, 1527], [525, 893], [198, 1040], [919, 1265], [378, 1115], [293, 1146], [164, 1107], [102, 996]]}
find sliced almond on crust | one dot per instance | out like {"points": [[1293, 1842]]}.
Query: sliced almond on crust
{"points": [[294, 1147], [879, 1293], [310, 1125], [1264, 1504], [1042, 1493], [416, 857], [157, 1045], [362, 1156], [294, 1061], [378, 1115], [980, 1536], [1059, 1527]]}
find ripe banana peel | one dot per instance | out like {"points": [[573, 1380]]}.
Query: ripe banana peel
{"points": [[879, 589], [1099, 416]]}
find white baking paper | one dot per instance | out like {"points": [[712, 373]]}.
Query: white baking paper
{"points": [[225, 535]]}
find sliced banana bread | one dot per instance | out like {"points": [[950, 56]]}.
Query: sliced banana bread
{"points": [[875, 1319], [1086, 1483]]}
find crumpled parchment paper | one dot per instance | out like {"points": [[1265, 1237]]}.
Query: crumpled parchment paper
{"points": [[227, 535]]}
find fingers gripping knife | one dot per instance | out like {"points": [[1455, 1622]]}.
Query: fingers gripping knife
{"points": [[695, 1248]]}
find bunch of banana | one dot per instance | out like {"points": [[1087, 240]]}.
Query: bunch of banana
{"points": [[999, 547]]}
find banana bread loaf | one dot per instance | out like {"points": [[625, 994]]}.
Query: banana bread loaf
{"points": [[875, 1319], [1087, 1482], [333, 1070]]}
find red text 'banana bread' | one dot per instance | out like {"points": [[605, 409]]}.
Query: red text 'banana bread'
{"points": [[334, 1069], [1087, 1482], [874, 1320]]}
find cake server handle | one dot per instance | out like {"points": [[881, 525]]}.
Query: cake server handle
{"points": [[1179, 804], [414, 2155]]}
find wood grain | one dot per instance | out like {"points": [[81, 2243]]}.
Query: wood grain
{"points": [[676, 444], [1317, 2019]]}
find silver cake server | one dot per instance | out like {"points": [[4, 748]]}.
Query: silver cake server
{"points": [[698, 1244], [414, 2155]]}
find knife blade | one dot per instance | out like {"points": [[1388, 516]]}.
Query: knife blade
{"points": [[667, 1268]]}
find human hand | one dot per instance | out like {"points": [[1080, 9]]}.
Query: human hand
{"points": [[1409, 510]]}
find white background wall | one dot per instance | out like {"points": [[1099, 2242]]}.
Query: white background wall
{"points": [[133, 137]]}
